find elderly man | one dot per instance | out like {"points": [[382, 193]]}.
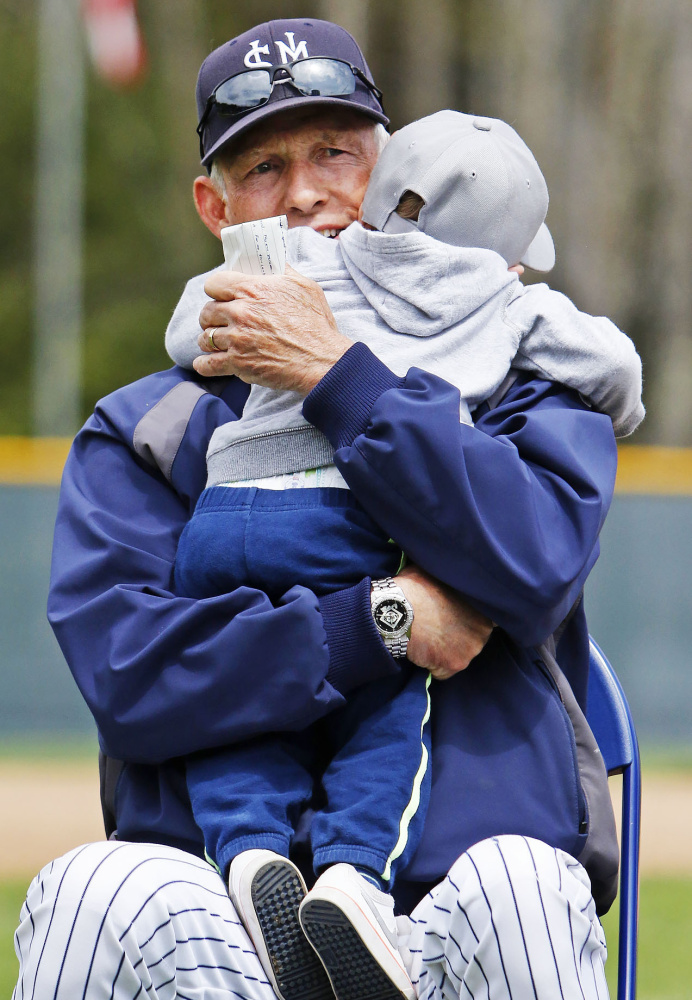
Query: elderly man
{"points": [[501, 523]]}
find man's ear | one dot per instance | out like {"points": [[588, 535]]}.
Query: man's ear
{"points": [[210, 206]]}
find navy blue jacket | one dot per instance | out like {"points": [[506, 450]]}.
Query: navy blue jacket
{"points": [[507, 512]]}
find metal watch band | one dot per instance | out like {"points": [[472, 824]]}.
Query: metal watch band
{"points": [[397, 647]]}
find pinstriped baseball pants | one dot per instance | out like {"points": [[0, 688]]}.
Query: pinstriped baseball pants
{"points": [[513, 920]]}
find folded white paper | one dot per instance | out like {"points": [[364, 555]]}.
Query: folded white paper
{"points": [[256, 247]]}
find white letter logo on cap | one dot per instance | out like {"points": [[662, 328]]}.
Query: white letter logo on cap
{"points": [[291, 51], [253, 59]]}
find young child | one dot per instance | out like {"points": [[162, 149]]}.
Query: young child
{"points": [[452, 203]]}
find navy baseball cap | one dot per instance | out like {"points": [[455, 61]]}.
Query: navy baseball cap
{"points": [[270, 46]]}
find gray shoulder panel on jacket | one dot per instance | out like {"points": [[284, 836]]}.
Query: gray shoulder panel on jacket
{"points": [[158, 434]]}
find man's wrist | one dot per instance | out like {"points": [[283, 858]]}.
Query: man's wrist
{"points": [[340, 404], [392, 614], [318, 369]]}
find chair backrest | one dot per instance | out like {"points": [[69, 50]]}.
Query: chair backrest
{"points": [[609, 714], [611, 722]]}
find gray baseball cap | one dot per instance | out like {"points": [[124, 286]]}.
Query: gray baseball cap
{"points": [[481, 185]]}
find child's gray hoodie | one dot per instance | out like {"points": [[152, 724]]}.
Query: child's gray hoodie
{"points": [[454, 312]]}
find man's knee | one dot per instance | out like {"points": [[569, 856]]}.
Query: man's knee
{"points": [[105, 875], [89, 913], [505, 920], [510, 867]]}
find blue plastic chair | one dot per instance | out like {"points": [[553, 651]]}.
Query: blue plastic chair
{"points": [[611, 722]]}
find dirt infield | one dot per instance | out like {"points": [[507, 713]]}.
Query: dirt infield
{"points": [[49, 807]]}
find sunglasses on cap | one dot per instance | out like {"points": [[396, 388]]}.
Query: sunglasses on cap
{"points": [[312, 77]]}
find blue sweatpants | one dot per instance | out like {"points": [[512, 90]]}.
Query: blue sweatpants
{"points": [[365, 768]]}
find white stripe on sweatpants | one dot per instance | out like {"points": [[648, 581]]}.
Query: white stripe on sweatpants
{"points": [[513, 920], [115, 921]]}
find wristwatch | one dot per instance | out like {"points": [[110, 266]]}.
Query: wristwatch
{"points": [[393, 615]]}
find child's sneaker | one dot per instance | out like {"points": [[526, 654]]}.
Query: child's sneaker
{"points": [[351, 925], [266, 890]]}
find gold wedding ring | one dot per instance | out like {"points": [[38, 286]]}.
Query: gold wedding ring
{"points": [[210, 338]]}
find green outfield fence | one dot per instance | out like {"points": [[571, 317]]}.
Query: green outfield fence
{"points": [[639, 596]]}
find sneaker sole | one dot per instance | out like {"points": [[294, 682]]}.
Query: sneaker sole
{"points": [[277, 892], [354, 972]]}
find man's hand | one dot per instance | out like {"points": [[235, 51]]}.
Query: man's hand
{"points": [[447, 632], [275, 331]]}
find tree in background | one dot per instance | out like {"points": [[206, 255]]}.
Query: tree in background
{"points": [[601, 91]]}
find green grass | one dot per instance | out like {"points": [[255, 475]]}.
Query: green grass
{"points": [[660, 758], [11, 899], [665, 933], [58, 747]]}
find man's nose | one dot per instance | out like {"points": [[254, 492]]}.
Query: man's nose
{"points": [[304, 190]]}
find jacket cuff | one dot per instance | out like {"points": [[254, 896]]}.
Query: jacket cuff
{"points": [[356, 651], [341, 402]]}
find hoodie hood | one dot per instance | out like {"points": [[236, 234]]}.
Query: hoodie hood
{"points": [[184, 329], [438, 286], [454, 312], [380, 286]]}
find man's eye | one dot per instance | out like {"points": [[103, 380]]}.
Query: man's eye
{"points": [[262, 168], [334, 152]]}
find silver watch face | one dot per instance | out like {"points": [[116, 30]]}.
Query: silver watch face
{"points": [[392, 617]]}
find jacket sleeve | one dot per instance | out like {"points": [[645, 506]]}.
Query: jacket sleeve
{"points": [[507, 512], [165, 675]]}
